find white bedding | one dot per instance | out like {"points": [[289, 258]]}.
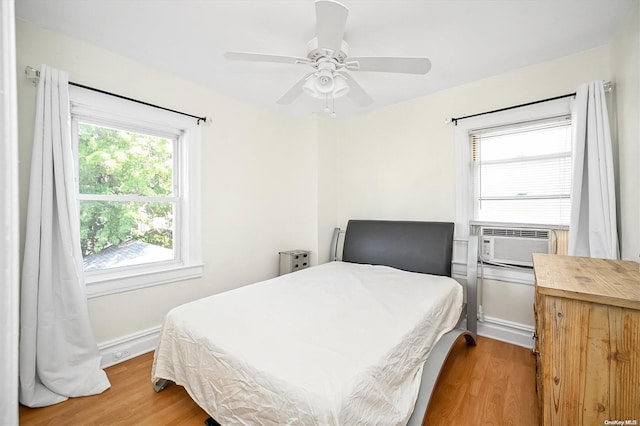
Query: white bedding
{"points": [[336, 344]]}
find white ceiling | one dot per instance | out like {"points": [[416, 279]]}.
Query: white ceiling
{"points": [[466, 40]]}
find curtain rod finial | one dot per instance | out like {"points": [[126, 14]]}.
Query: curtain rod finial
{"points": [[31, 74], [206, 120]]}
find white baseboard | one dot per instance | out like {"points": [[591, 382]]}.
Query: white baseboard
{"points": [[506, 331], [118, 350]]}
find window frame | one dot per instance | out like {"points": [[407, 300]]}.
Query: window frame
{"points": [[464, 177], [106, 110]]}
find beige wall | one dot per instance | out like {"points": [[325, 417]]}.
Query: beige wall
{"points": [[398, 162], [328, 184], [625, 63], [259, 176]]}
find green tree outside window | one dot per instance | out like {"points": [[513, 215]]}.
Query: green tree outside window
{"points": [[118, 170]]}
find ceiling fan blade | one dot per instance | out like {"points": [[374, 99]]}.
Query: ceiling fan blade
{"points": [[331, 18], [400, 65], [260, 57], [356, 92], [293, 92]]}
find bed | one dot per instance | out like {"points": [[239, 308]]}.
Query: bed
{"points": [[340, 343]]}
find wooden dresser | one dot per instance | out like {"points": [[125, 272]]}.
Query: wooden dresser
{"points": [[587, 340]]}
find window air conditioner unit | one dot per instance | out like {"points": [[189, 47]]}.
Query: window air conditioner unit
{"points": [[513, 246]]}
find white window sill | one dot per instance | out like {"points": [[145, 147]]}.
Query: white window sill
{"points": [[517, 276], [103, 285]]}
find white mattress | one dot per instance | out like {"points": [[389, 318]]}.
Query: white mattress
{"points": [[336, 344]]}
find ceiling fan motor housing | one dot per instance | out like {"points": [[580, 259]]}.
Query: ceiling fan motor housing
{"points": [[314, 53]]}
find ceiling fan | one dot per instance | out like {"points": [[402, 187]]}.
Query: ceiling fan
{"points": [[328, 55]]}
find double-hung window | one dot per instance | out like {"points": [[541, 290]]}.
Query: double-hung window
{"points": [[522, 172], [138, 182], [513, 169]]}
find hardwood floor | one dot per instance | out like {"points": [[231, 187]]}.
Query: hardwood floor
{"points": [[131, 400], [491, 384]]}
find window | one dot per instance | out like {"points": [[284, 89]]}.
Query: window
{"points": [[138, 191], [513, 166], [522, 172]]}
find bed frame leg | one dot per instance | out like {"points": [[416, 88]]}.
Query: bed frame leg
{"points": [[211, 422], [160, 385], [471, 339]]}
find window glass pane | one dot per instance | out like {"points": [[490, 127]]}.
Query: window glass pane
{"points": [[118, 162], [553, 140], [548, 177], [115, 234], [523, 173], [545, 211]]}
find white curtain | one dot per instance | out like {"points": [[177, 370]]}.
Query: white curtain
{"points": [[58, 354], [593, 229]]}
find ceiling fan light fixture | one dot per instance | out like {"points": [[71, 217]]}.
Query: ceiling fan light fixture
{"points": [[309, 87], [341, 87], [324, 82]]}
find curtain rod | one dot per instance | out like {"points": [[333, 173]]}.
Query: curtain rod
{"points": [[33, 74], [454, 120], [608, 86]]}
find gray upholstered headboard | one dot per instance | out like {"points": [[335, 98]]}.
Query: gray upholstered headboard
{"points": [[423, 247]]}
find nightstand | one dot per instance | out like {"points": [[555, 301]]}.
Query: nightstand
{"points": [[294, 260]]}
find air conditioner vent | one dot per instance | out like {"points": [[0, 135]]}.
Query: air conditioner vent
{"points": [[514, 246], [516, 233]]}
